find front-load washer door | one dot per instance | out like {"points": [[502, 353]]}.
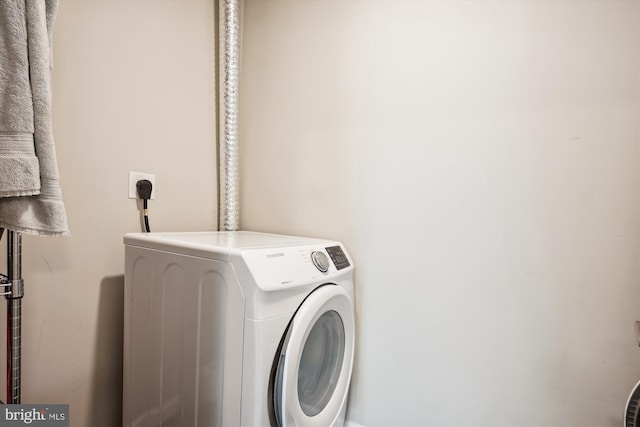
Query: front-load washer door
{"points": [[314, 367]]}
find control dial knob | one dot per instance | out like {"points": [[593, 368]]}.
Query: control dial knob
{"points": [[320, 260]]}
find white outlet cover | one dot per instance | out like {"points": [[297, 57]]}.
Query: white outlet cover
{"points": [[134, 177]]}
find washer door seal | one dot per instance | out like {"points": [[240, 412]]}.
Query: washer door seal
{"points": [[312, 376]]}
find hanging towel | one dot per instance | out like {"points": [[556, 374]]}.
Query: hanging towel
{"points": [[30, 195], [18, 161]]}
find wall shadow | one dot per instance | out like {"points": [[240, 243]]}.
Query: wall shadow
{"points": [[107, 383]]}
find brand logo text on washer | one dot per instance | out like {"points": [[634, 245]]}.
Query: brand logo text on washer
{"points": [[275, 255]]}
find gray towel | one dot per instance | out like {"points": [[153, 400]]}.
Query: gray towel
{"points": [[30, 196]]}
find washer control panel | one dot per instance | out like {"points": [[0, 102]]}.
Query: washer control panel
{"points": [[320, 260], [338, 257], [290, 266]]}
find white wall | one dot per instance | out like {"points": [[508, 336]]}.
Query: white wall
{"points": [[480, 162], [133, 90]]}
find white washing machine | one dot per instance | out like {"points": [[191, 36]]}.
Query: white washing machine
{"points": [[236, 329]]}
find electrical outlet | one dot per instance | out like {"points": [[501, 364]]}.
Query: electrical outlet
{"points": [[134, 177]]}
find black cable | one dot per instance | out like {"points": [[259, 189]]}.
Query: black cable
{"points": [[144, 188], [146, 216]]}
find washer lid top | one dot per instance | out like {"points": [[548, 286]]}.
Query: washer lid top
{"points": [[215, 245]]}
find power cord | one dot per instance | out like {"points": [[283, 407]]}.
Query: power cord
{"points": [[144, 188]]}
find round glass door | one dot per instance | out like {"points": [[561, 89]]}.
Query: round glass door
{"points": [[321, 363], [314, 366]]}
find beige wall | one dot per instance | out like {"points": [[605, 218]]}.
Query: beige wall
{"points": [[133, 90], [480, 161]]}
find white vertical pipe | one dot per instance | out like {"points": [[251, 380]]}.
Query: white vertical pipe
{"points": [[230, 175]]}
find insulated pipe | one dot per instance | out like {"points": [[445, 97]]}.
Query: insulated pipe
{"points": [[14, 315], [229, 166]]}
